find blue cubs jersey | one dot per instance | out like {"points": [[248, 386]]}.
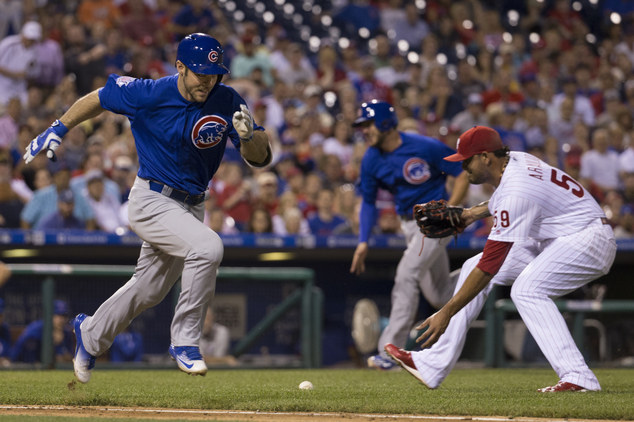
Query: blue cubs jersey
{"points": [[414, 173], [179, 143]]}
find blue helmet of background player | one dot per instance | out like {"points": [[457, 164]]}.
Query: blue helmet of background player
{"points": [[201, 54], [379, 112]]}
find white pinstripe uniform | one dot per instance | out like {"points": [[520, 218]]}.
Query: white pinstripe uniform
{"points": [[560, 243]]}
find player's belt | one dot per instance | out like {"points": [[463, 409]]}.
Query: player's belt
{"points": [[179, 195]]}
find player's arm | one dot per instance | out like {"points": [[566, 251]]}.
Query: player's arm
{"points": [[257, 150], [493, 257], [367, 217], [475, 213], [460, 188], [83, 109]]}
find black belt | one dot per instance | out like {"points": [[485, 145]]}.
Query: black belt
{"points": [[179, 195]]}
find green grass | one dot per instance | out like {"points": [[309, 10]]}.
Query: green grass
{"points": [[480, 392]]}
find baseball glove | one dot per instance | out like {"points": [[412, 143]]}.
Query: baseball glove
{"points": [[437, 219]]}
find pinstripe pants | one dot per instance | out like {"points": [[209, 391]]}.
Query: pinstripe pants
{"points": [[538, 272]]}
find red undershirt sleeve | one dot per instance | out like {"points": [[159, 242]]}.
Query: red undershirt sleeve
{"points": [[493, 256]]}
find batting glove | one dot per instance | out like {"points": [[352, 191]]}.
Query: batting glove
{"points": [[48, 140], [243, 123]]}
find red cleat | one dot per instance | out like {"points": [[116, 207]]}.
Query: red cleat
{"points": [[404, 358], [562, 386]]}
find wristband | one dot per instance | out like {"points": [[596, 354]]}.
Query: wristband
{"points": [[59, 128]]}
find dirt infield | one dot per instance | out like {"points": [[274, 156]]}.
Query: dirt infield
{"points": [[239, 415]]}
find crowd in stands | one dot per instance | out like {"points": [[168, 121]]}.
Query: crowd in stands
{"points": [[554, 77]]}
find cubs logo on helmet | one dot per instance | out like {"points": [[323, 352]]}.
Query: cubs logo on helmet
{"points": [[208, 131], [213, 56], [416, 171]]}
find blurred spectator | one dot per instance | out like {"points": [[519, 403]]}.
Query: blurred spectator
{"points": [[141, 27], [116, 56], [127, 347], [368, 87], [388, 222], [10, 203], [260, 221], [28, 347], [600, 166], [289, 219], [266, 194], [215, 341], [98, 12], [17, 62], [330, 76], [472, 115], [44, 202], [325, 220], [563, 128], [410, 27], [123, 174], [105, 205], [220, 222], [49, 63], [84, 58], [251, 59], [298, 70], [9, 121], [63, 218], [582, 106], [93, 162], [10, 16], [5, 338], [396, 72], [194, 16], [233, 196], [358, 14]]}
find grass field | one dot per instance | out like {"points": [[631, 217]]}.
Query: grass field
{"points": [[501, 392]]}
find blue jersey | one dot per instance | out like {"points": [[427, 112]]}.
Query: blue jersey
{"points": [[414, 173], [179, 143]]}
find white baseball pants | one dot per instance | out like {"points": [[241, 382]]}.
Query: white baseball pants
{"points": [[425, 272], [538, 272], [176, 243]]}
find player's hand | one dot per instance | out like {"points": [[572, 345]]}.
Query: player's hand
{"points": [[436, 326], [243, 123], [48, 140], [358, 260]]}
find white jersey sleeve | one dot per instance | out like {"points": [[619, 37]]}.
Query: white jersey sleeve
{"points": [[538, 201]]}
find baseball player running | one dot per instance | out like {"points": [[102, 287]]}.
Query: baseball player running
{"points": [[410, 166], [549, 237], [180, 125]]}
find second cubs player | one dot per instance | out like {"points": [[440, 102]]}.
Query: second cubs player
{"points": [[549, 238], [180, 124], [411, 167]]}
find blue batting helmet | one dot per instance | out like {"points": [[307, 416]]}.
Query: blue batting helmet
{"points": [[201, 54], [379, 112]]}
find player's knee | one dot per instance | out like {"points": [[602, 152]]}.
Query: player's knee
{"points": [[210, 250], [519, 294]]}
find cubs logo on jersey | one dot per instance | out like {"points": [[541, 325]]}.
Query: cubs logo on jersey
{"points": [[416, 171], [209, 131]]}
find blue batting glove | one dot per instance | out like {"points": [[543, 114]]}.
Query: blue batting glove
{"points": [[48, 140]]}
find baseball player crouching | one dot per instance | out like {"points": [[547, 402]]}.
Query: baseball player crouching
{"points": [[411, 167], [180, 124], [549, 237]]}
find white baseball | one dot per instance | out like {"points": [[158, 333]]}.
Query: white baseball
{"points": [[306, 385]]}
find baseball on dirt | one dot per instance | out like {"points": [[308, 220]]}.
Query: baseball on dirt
{"points": [[306, 385]]}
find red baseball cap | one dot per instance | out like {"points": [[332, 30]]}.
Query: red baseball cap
{"points": [[476, 140]]}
